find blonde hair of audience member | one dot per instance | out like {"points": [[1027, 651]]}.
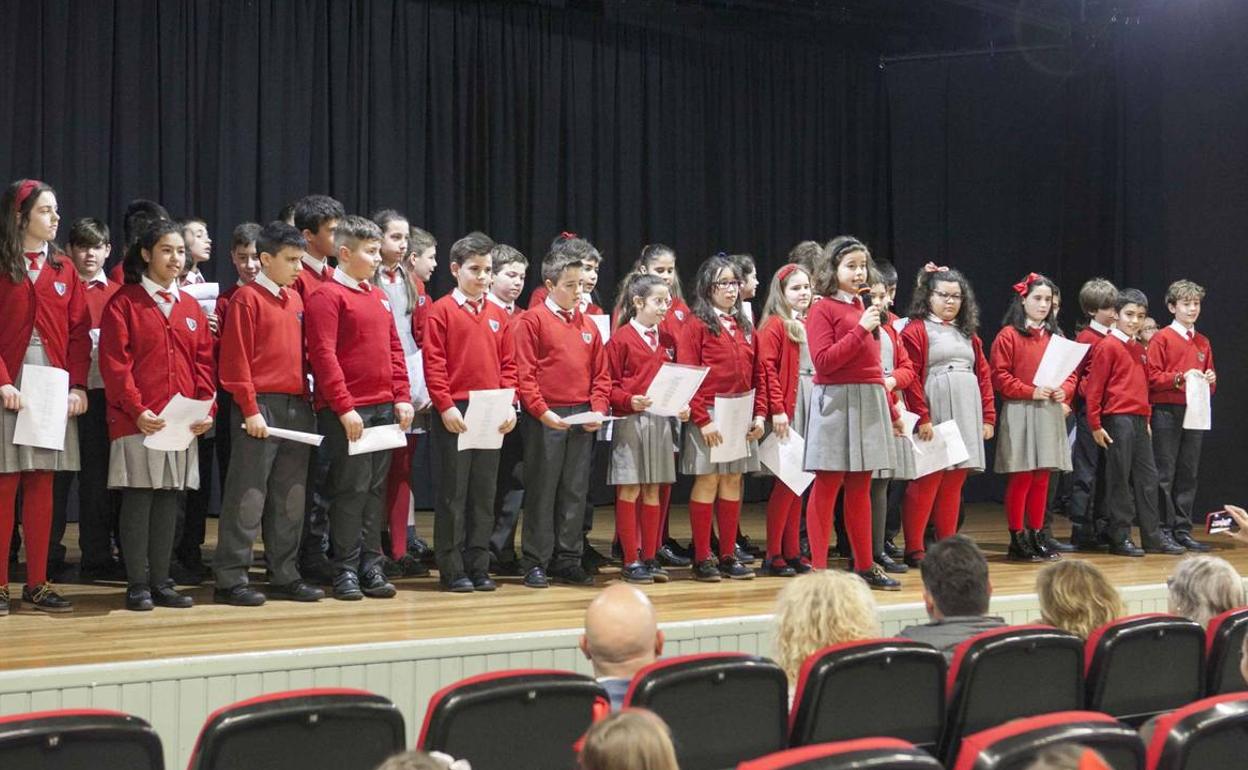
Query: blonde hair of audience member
{"points": [[1204, 586], [632, 739], [819, 609], [1075, 596], [1068, 756], [622, 634], [419, 760]]}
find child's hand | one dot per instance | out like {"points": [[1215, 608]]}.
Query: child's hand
{"points": [[553, 421], [256, 426], [890, 384], [640, 403], [506, 427], [756, 430], [925, 432], [453, 421], [353, 424], [149, 423], [77, 402], [870, 319], [1058, 395], [683, 415], [1065, 409], [1102, 438], [214, 324], [202, 427], [404, 412], [711, 435], [899, 428], [780, 425], [1041, 394], [988, 431], [1211, 376], [12, 397]]}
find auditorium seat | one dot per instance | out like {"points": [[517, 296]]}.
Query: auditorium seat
{"points": [[834, 700], [722, 708], [1013, 745], [1210, 734], [78, 739], [523, 719], [1224, 649], [1008, 673], [1143, 665], [860, 754], [301, 730]]}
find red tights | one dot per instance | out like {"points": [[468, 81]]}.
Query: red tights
{"points": [[36, 522], [784, 515], [935, 496], [856, 510], [1026, 493], [399, 496]]}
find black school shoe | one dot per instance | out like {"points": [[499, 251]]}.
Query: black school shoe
{"points": [[241, 595], [1186, 540], [536, 578], [891, 550], [637, 573], [1165, 545], [707, 571], [297, 591], [347, 587], [657, 572], [166, 596], [877, 580], [777, 566], [375, 586], [801, 565], [573, 576], [891, 565], [44, 599], [1053, 544], [481, 582], [139, 598], [410, 566], [459, 584], [669, 557], [1126, 548]]}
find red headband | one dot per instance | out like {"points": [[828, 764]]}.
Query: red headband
{"points": [[27, 187], [568, 235], [1022, 286], [783, 273]]}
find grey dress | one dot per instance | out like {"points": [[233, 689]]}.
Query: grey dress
{"points": [[952, 388], [903, 451]]}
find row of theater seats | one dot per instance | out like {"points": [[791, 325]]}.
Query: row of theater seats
{"points": [[876, 704]]}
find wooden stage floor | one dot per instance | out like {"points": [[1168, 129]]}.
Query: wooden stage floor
{"points": [[101, 631]]}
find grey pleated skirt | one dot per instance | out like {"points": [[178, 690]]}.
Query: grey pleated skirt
{"points": [[849, 429], [1031, 436], [130, 464], [695, 455], [641, 450], [953, 394], [903, 461], [14, 458], [801, 414]]}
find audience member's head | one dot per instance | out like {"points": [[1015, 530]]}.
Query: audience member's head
{"points": [[632, 739], [420, 760], [1068, 756], [1204, 586], [621, 632], [1075, 596], [820, 609], [955, 579]]}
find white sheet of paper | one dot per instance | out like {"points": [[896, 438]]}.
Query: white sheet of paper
{"points": [[585, 418], [784, 457], [945, 450], [205, 293], [673, 386], [378, 439], [45, 405], [733, 415], [313, 439], [909, 420], [1061, 358], [179, 415], [416, 379], [1199, 413], [603, 322], [487, 409]]}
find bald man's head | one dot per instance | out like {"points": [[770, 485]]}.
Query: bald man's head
{"points": [[621, 632]]}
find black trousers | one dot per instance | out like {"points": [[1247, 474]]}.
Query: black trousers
{"points": [[356, 489], [508, 497], [314, 542], [99, 508], [463, 503], [1177, 452], [1130, 479], [556, 484], [264, 493], [149, 518], [892, 518], [193, 521], [1088, 516]]}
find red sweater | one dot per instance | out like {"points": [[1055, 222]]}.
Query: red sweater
{"points": [[1014, 360], [778, 360], [539, 295], [145, 358], [420, 313], [559, 363], [732, 367], [354, 349], [308, 281], [55, 304], [1170, 356], [262, 346], [1087, 336], [673, 324], [904, 372], [97, 297], [842, 351], [914, 338], [633, 365], [1117, 380], [466, 351]]}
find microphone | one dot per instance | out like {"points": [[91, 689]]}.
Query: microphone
{"points": [[864, 295]]}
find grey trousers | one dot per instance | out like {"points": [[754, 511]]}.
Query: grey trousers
{"points": [[508, 497], [556, 483], [149, 519], [1130, 479], [463, 505], [355, 489], [879, 514], [265, 492], [1177, 452]]}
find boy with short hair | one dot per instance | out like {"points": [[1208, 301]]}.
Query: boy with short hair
{"points": [[1118, 412], [508, 268], [262, 365], [466, 347], [562, 371], [1176, 353], [1098, 299], [361, 381]]}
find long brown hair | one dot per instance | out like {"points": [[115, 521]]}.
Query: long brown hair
{"points": [[778, 305], [11, 228]]}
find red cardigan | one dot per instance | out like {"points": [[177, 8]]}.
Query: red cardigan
{"points": [[779, 360], [914, 338], [904, 371], [633, 365], [145, 358], [1014, 360], [56, 303], [733, 367]]}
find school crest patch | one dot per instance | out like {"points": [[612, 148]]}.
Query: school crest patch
{"points": [[421, 300], [1200, 357], [60, 288], [587, 337], [493, 325], [680, 315], [671, 353], [192, 324]]}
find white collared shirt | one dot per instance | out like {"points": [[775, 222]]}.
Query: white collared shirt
{"points": [[461, 298], [33, 275], [100, 277], [347, 280], [511, 309], [644, 330], [1120, 334], [1183, 331], [1038, 325], [553, 307], [269, 284], [194, 276], [1099, 327], [315, 265], [152, 287], [845, 296]]}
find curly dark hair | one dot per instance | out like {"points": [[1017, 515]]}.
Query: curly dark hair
{"points": [[704, 287], [967, 320]]}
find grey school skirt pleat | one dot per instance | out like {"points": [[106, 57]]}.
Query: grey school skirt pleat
{"points": [[1031, 436], [14, 458], [903, 461], [849, 429], [130, 464], [801, 413], [641, 450], [695, 455]]}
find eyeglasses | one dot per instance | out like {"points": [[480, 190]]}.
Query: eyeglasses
{"points": [[945, 297], [727, 284]]}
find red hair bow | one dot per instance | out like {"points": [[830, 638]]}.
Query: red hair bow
{"points": [[568, 235], [932, 267], [24, 190], [1022, 286]]}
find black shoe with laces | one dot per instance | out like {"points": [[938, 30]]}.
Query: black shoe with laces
{"points": [[742, 555], [890, 565], [45, 599], [1125, 547], [678, 549], [347, 587], [139, 598], [637, 573], [734, 570], [375, 586], [297, 591], [801, 565], [891, 550], [1053, 544], [1020, 548], [1039, 548], [670, 558], [166, 596], [877, 580], [1186, 540], [412, 567], [241, 595], [707, 571], [573, 575], [657, 572], [777, 566]]}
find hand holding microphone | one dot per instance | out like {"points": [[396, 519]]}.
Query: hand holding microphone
{"points": [[871, 319]]}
